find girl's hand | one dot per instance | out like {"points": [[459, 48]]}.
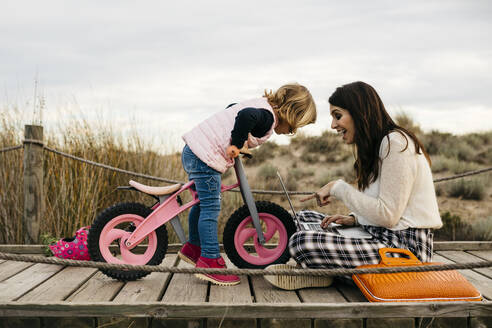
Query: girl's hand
{"points": [[322, 196], [232, 151], [347, 220]]}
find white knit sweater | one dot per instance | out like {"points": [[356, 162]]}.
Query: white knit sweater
{"points": [[402, 196]]}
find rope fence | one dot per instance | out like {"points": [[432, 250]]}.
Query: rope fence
{"points": [[108, 167], [4, 150], [465, 174], [249, 272], [150, 177]]}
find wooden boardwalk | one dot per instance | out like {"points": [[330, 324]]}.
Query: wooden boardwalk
{"points": [[44, 295]]}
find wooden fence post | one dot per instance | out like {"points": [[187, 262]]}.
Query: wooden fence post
{"points": [[33, 183]]}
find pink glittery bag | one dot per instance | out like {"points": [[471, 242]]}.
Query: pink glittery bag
{"points": [[74, 248]]}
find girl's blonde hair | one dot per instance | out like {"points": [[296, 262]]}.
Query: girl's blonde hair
{"points": [[294, 104]]}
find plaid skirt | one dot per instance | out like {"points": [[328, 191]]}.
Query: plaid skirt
{"points": [[316, 249]]}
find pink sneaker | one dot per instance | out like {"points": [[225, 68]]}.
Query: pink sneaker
{"points": [[74, 248], [190, 253], [218, 279]]}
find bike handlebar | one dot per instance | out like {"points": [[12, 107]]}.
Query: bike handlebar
{"points": [[246, 152]]}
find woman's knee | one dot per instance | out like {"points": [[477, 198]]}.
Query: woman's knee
{"points": [[295, 241], [295, 238]]}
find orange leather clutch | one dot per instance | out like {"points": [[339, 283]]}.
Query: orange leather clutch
{"points": [[431, 286]]}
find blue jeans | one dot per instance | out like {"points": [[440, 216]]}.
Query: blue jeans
{"points": [[204, 216]]}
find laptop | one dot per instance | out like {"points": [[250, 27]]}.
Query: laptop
{"points": [[337, 229]]}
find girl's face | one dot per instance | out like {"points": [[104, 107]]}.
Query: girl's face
{"points": [[342, 122]]}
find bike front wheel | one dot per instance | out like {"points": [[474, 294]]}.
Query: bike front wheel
{"points": [[241, 239], [108, 233]]}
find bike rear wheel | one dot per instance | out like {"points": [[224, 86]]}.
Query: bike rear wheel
{"points": [[241, 239], [107, 235]]}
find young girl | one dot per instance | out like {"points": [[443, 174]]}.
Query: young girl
{"points": [[210, 150]]}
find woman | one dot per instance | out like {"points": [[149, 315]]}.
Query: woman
{"points": [[394, 201]]}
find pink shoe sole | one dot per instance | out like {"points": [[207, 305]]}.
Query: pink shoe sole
{"points": [[186, 258], [205, 277]]}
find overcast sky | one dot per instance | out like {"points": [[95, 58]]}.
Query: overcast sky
{"points": [[163, 66]]}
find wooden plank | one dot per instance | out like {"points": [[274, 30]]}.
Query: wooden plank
{"points": [[351, 292], [10, 268], [486, 255], [183, 289], [266, 293], [59, 286], [149, 288], [462, 245], [321, 295], [464, 257], [23, 249], [193, 310], [238, 294], [482, 283], [28, 279], [98, 288], [328, 295], [103, 288]]}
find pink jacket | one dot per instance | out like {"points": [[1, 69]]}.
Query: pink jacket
{"points": [[209, 139]]}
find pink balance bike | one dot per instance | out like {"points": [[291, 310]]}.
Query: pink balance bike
{"points": [[255, 236]]}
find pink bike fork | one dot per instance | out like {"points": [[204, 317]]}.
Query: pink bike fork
{"points": [[248, 199]]}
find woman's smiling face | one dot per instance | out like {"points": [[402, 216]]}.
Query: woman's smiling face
{"points": [[342, 122]]}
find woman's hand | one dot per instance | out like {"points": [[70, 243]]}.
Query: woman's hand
{"points": [[322, 196], [232, 151], [347, 220]]}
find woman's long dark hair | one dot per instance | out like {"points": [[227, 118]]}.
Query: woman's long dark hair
{"points": [[372, 123]]}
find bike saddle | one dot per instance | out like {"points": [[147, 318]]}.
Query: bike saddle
{"points": [[156, 191]]}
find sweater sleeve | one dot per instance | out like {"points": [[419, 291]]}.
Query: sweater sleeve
{"points": [[398, 173], [256, 121]]}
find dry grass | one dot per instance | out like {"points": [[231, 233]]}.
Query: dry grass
{"points": [[468, 189], [75, 192], [11, 187]]}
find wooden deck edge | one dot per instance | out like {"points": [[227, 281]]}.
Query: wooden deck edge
{"points": [[462, 245], [174, 248], [256, 310]]}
